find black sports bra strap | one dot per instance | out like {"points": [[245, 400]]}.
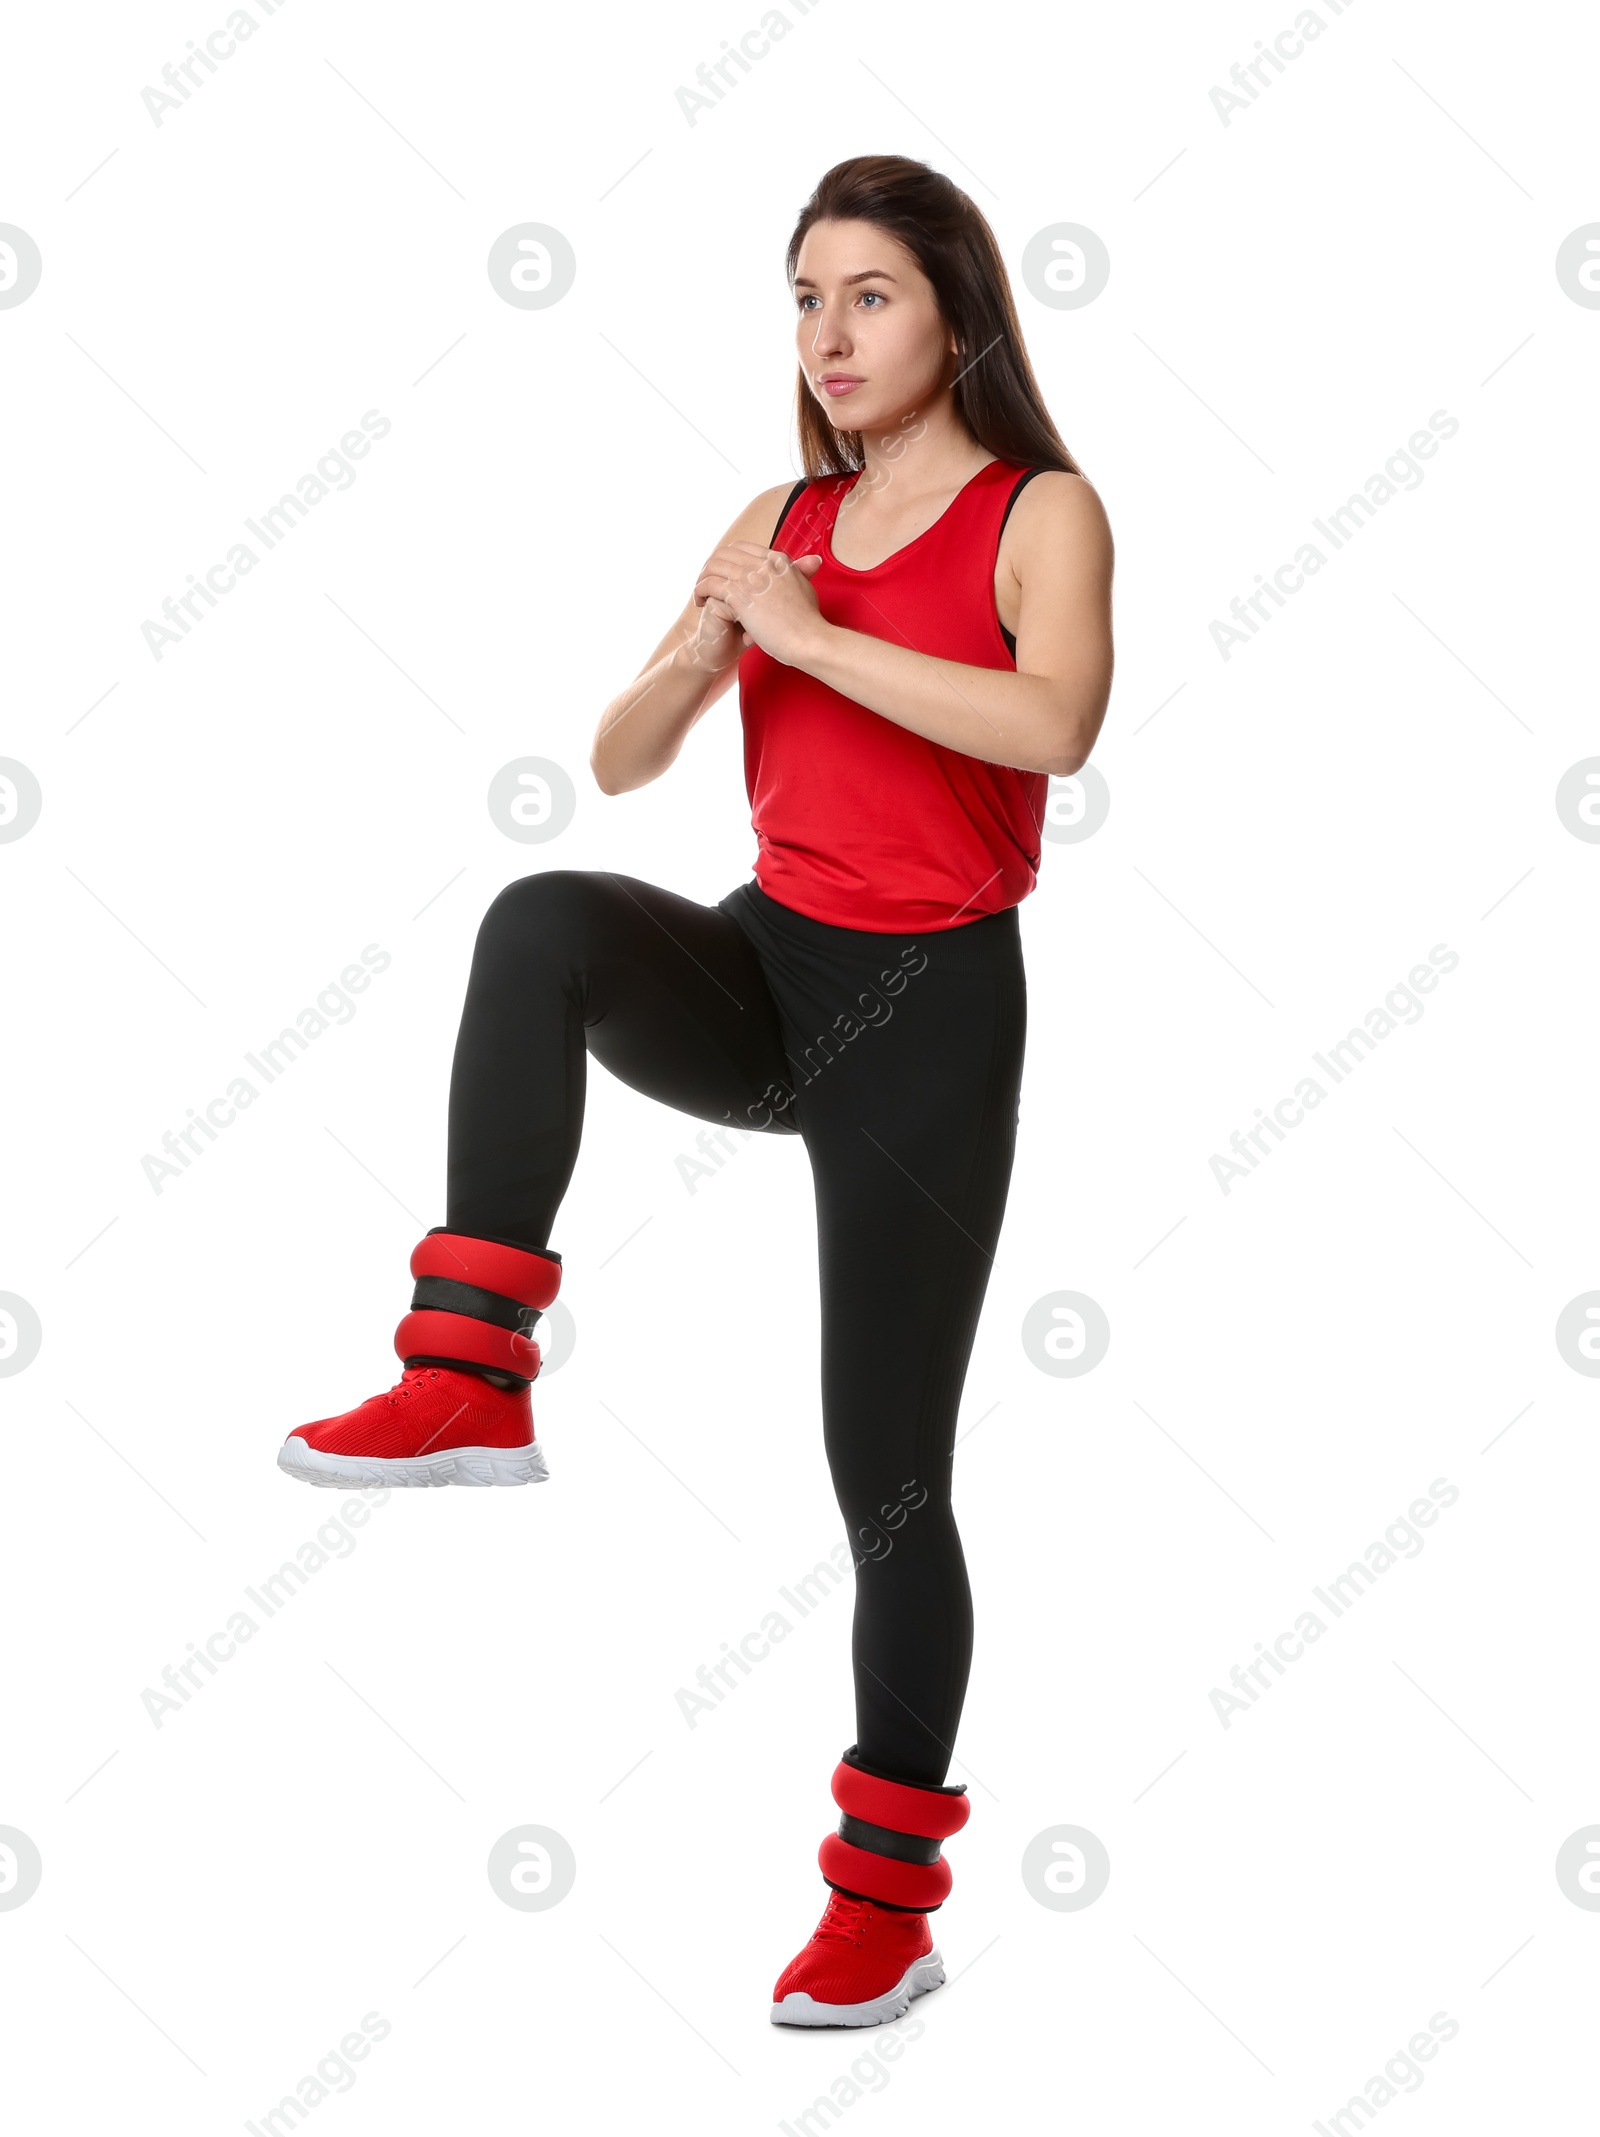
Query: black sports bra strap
{"points": [[788, 507], [1017, 490]]}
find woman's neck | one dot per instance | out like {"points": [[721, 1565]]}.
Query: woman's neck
{"points": [[927, 452]]}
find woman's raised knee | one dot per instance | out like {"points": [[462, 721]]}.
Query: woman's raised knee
{"points": [[555, 907]]}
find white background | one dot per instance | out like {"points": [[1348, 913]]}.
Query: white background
{"points": [[1291, 1897]]}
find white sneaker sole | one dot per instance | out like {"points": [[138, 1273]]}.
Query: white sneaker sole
{"points": [[456, 1465], [798, 2009]]}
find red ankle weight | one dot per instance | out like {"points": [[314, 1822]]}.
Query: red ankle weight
{"points": [[475, 1303], [921, 1887], [887, 1845], [531, 1279]]}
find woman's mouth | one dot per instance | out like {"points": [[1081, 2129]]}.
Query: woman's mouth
{"points": [[835, 383]]}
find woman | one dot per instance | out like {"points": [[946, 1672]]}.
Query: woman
{"points": [[921, 633]]}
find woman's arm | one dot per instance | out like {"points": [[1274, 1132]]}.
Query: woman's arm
{"points": [[641, 731], [1044, 717]]}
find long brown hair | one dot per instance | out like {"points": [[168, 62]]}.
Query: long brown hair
{"points": [[996, 394]]}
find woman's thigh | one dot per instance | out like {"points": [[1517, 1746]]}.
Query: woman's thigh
{"points": [[666, 994], [675, 1004]]}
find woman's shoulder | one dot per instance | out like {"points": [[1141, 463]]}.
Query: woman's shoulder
{"points": [[1057, 497], [1049, 481], [759, 520], [1057, 517]]}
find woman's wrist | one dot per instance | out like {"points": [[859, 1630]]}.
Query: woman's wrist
{"points": [[693, 657], [817, 643]]}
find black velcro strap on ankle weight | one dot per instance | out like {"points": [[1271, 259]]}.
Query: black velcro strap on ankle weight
{"points": [[879, 1840], [442, 1294]]}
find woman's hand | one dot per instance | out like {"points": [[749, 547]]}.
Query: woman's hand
{"points": [[697, 660], [765, 597]]}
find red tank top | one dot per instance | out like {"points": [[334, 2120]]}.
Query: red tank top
{"points": [[859, 821]]}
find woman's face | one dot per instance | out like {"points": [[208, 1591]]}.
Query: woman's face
{"points": [[869, 336]]}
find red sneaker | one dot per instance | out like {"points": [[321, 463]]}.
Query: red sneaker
{"points": [[434, 1426], [862, 1967]]}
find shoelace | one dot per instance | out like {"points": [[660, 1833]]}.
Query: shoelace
{"points": [[844, 1919], [408, 1380]]}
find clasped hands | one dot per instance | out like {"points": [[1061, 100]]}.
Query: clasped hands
{"points": [[763, 598]]}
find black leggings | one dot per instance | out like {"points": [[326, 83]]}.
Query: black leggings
{"points": [[898, 1060]]}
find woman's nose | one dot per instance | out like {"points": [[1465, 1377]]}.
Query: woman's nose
{"points": [[828, 333]]}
